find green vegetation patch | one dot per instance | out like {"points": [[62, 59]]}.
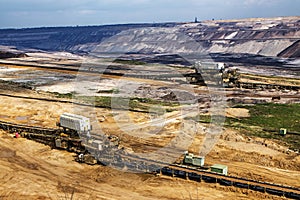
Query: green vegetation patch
{"points": [[201, 118], [273, 116], [132, 104], [111, 91], [266, 119], [130, 62], [66, 95]]}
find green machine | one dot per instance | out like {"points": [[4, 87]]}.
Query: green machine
{"points": [[283, 131], [190, 159], [221, 169]]}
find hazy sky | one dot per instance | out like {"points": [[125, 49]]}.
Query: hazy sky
{"points": [[36, 13]]}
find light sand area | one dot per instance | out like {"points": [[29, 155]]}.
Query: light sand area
{"points": [[30, 170]]}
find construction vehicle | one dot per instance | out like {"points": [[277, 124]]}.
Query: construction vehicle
{"points": [[211, 73], [86, 158], [190, 159]]}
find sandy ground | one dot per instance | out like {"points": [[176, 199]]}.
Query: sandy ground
{"points": [[30, 170], [237, 112]]}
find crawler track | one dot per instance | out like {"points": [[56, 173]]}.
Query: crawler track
{"points": [[48, 136], [13, 127]]}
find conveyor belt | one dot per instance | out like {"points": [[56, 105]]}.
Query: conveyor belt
{"points": [[45, 135]]}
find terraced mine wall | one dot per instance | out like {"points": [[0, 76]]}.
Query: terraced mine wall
{"points": [[275, 37], [65, 38]]}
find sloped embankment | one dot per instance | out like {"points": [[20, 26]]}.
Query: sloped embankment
{"points": [[266, 37]]}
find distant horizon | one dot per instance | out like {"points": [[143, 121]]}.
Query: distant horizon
{"points": [[65, 13], [137, 23]]}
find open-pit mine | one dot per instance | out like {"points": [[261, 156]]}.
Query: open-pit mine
{"points": [[204, 110]]}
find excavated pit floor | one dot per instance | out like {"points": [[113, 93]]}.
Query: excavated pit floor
{"points": [[32, 170]]}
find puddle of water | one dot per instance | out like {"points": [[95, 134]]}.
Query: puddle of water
{"points": [[33, 122], [21, 118], [4, 116]]}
